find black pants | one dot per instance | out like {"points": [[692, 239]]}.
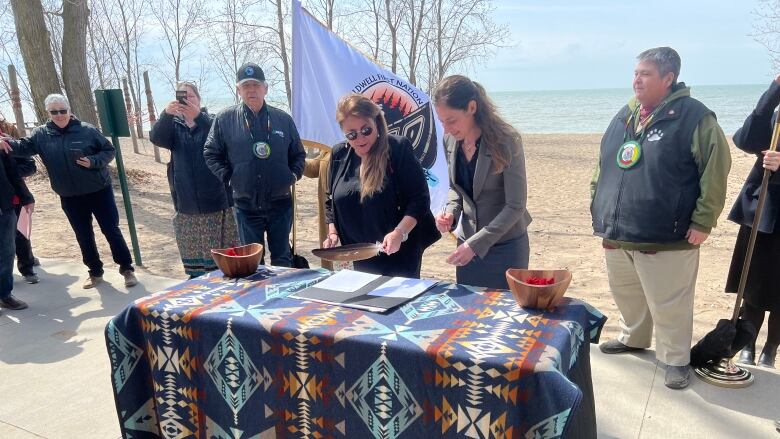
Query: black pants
{"points": [[756, 316], [101, 204], [24, 254]]}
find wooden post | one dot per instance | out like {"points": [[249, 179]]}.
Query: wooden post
{"points": [[16, 101], [152, 117], [130, 115]]}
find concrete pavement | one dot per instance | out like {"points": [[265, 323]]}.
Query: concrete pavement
{"points": [[55, 379]]}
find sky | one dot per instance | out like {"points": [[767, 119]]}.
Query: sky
{"points": [[592, 44], [559, 45]]}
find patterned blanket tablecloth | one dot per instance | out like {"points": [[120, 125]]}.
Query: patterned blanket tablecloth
{"points": [[218, 358]]}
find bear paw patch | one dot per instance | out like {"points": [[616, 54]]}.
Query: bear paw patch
{"points": [[654, 135]]}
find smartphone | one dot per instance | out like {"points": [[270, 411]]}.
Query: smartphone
{"points": [[76, 153], [181, 96]]}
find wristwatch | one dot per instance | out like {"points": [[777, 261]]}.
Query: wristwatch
{"points": [[404, 235]]}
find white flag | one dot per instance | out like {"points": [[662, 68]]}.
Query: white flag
{"points": [[325, 68]]}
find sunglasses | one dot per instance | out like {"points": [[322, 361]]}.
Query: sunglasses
{"points": [[56, 112], [365, 132]]}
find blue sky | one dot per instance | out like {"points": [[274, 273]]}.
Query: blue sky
{"points": [[561, 45]]}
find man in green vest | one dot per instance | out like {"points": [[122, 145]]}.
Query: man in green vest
{"points": [[657, 192]]}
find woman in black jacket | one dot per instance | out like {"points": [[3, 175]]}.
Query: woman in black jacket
{"points": [[204, 214], [761, 291], [378, 192], [76, 156]]}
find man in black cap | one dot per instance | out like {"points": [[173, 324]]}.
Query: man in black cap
{"points": [[256, 148]]}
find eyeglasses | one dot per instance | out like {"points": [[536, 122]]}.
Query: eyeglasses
{"points": [[56, 112], [353, 135]]}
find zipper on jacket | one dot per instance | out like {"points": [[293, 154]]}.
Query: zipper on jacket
{"points": [[617, 206]]}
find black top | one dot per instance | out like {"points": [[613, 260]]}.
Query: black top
{"points": [[369, 220], [464, 170], [56, 147], [755, 136], [258, 183], [194, 189]]}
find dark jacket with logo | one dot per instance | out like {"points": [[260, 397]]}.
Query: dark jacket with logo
{"points": [[755, 136], [654, 200], [58, 148], [195, 190], [229, 153], [11, 184]]}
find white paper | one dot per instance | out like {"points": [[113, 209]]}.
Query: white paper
{"points": [[24, 223], [402, 287], [347, 281]]}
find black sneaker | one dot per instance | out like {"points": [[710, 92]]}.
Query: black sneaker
{"points": [[31, 278], [12, 302]]}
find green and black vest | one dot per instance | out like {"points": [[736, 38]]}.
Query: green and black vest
{"points": [[653, 200]]}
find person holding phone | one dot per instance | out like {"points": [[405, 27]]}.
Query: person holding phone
{"points": [[203, 206], [76, 156]]}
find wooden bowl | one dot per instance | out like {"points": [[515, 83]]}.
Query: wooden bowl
{"points": [[243, 264], [538, 296]]}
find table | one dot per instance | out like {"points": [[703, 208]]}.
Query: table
{"points": [[219, 358]]}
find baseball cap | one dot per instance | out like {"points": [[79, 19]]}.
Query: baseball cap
{"points": [[249, 72]]}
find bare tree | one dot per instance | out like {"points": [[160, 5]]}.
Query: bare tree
{"points": [[412, 22], [75, 76], [181, 22], [281, 47], [36, 51], [392, 19], [767, 29], [124, 21], [324, 10], [11, 55], [463, 32], [233, 42]]}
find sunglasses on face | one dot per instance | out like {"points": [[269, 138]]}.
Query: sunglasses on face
{"points": [[56, 112], [365, 132]]}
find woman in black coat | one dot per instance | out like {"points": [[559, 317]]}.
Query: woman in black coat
{"points": [[377, 192], [761, 292], [204, 215]]}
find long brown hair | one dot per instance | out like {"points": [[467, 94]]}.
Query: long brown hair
{"points": [[374, 167], [501, 138]]}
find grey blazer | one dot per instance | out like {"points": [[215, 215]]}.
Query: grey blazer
{"points": [[498, 211]]}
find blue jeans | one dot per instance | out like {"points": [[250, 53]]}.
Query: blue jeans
{"points": [[253, 225], [7, 250]]}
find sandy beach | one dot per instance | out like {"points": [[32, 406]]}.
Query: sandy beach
{"points": [[559, 168]]}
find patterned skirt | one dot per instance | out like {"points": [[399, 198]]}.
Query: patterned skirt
{"points": [[197, 234]]}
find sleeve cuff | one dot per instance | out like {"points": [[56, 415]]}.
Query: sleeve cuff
{"points": [[701, 228]]}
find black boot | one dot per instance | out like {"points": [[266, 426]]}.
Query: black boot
{"points": [[748, 355], [768, 354]]}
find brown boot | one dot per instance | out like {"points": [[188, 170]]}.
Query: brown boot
{"points": [[92, 281], [130, 279]]}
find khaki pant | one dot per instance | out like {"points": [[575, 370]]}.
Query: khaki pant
{"points": [[655, 289]]}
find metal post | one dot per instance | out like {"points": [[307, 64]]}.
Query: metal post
{"points": [[16, 101], [120, 167]]}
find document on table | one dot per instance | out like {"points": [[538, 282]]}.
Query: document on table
{"points": [[364, 291], [403, 287]]}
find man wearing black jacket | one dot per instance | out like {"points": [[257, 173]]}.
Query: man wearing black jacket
{"points": [[11, 185], [256, 148]]}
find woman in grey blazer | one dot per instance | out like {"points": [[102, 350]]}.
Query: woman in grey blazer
{"points": [[487, 185]]}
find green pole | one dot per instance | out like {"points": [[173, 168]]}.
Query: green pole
{"points": [[120, 167]]}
